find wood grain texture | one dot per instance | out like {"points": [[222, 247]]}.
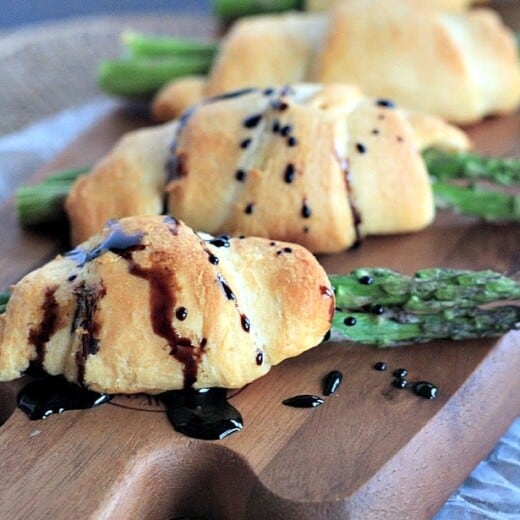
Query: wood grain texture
{"points": [[371, 451]]}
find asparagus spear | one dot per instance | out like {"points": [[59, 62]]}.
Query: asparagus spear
{"points": [[142, 76], [4, 298], [489, 205], [231, 9], [43, 202], [151, 61], [385, 308], [469, 165]]}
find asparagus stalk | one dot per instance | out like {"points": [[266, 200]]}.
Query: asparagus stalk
{"points": [[231, 9], [151, 61], [142, 76], [44, 202], [4, 298], [385, 308], [472, 166], [137, 44], [489, 205]]}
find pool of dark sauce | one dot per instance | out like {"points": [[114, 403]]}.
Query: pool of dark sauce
{"points": [[54, 394], [203, 414]]}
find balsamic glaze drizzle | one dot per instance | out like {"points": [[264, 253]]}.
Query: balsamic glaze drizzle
{"points": [[203, 414], [303, 401], [332, 382], [84, 319], [117, 241], [44, 397], [425, 389], [41, 333]]}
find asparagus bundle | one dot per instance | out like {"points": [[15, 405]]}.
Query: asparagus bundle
{"points": [[381, 307], [385, 308]]}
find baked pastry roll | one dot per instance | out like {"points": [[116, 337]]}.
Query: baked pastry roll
{"points": [[459, 66], [318, 165], [445, 5], [148, 306]]}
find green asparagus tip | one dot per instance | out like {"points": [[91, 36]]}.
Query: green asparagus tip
{"points": [[4, 298], [142, 45], [44, 202], [143, 76], [476, 201], [446, 165], [231, 9]]}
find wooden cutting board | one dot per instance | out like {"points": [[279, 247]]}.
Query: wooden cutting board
{"points": [[371, 451]]}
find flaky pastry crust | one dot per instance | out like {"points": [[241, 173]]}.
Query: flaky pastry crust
{"points": [[149, 306], [322, 166], [459, 66]]}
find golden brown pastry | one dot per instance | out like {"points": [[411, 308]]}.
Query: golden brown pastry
{"points": [[318, 165], [445, 5], [148, 306], [459, 66]]}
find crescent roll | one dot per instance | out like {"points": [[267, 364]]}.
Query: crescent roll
{"points": [[322, 166], [445, 5], [148, 306], [459, 66]]}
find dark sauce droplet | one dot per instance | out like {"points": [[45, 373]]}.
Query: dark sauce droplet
{"points": [[303, 401], [366, 280], [381, 366], [306, 210], [289, 174], [279, 104], [244, 320], [259, 358], [230, 295], [181, 313], [400, 382], [276, 127], [386, 103], [211, 257], [361, 148], [245, 143], [55, 394], [332, 382], [240, 175], [220, 241], [202, 414], [248, 210], [292, 141], [378, 309], [400, 372], [252, 121], [350, 321], [286, 130], [425, 389]]}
